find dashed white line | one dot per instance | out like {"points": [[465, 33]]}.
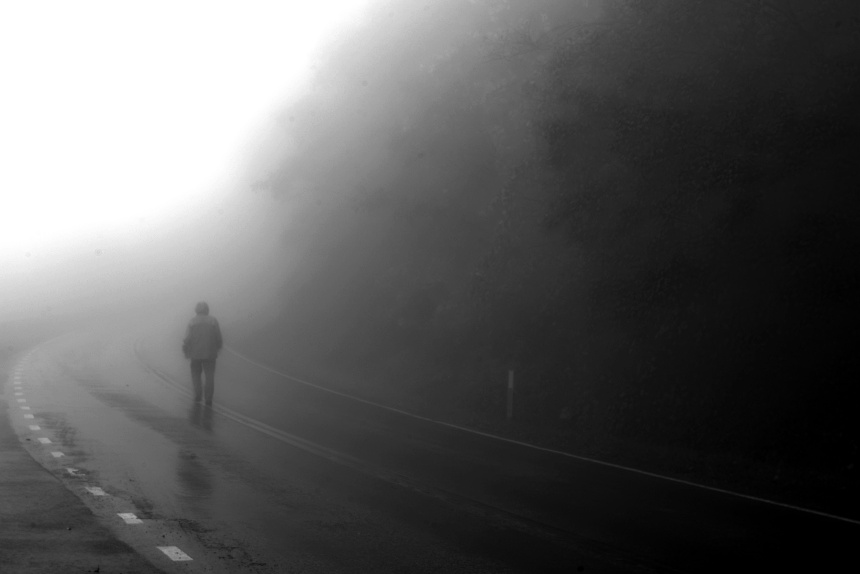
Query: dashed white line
{"points": [[19, 394], [73, 471], [22, 400], [96, 491], [174, 553], [44, 440], [28, 416], [25, 408], [130, 518], [35, 427], [57, 454]]}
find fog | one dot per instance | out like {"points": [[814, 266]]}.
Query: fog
{"points": [[125, 143], [644, 210]]}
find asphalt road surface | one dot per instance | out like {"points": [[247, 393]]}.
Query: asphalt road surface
{"points": [[282, 476]]}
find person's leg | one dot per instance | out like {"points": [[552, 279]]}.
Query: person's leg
{"points": [[209, 389], [196, 370]]}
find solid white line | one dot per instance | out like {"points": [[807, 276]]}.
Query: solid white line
{"points": [[57, 454], [44, 440], [95, 491], [354, 398], [549, 450], [174, 553], [129, 518]]}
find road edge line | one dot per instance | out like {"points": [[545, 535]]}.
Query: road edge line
{"points": [[550, 450]]}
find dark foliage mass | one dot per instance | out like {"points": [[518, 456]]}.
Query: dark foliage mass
{"points": [[644, 208]]}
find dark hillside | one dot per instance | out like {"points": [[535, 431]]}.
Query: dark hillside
{"points": [[646, 209]]}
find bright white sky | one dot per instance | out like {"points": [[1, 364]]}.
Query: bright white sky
{"points": [[117, 113]]}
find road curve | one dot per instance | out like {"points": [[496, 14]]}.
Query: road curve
{"points": [[282, 475]]}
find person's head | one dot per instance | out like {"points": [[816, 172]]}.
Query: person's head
{"points": [[202, 308]]}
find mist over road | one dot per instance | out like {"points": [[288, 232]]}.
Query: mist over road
{"points": [[282, 475]]}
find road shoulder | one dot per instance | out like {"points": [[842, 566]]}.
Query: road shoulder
{"points": [[44, 528]]}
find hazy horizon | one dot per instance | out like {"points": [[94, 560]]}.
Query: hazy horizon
{"points": [[131, 136]]}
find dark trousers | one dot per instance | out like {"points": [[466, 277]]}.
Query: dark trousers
{"points": [[199, 367]]}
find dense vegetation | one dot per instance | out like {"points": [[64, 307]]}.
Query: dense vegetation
{"points": [[644, 208]]}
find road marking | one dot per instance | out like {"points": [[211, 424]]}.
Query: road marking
{"points": [[25, 408], [22, 400], [44, 440], [28, 416], [96, 491], [35, 427], [57, 454], [130, 518], [541, 448], [73, 471], [174, 553], [19, 394]]}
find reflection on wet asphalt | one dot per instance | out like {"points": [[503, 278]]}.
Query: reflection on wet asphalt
{"points": [[193, 478], [314, 482], [194, 481], [200, 416], [235, 487]]}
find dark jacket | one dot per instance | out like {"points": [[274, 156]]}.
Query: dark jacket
{"points": [[202, 338]]}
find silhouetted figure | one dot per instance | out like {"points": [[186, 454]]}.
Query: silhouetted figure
{"points": [[201, 344]]}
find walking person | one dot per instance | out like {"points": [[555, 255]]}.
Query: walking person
{"points": [[201, 344]]}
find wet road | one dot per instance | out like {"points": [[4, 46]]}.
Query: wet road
{"points": [[281, 476]]}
